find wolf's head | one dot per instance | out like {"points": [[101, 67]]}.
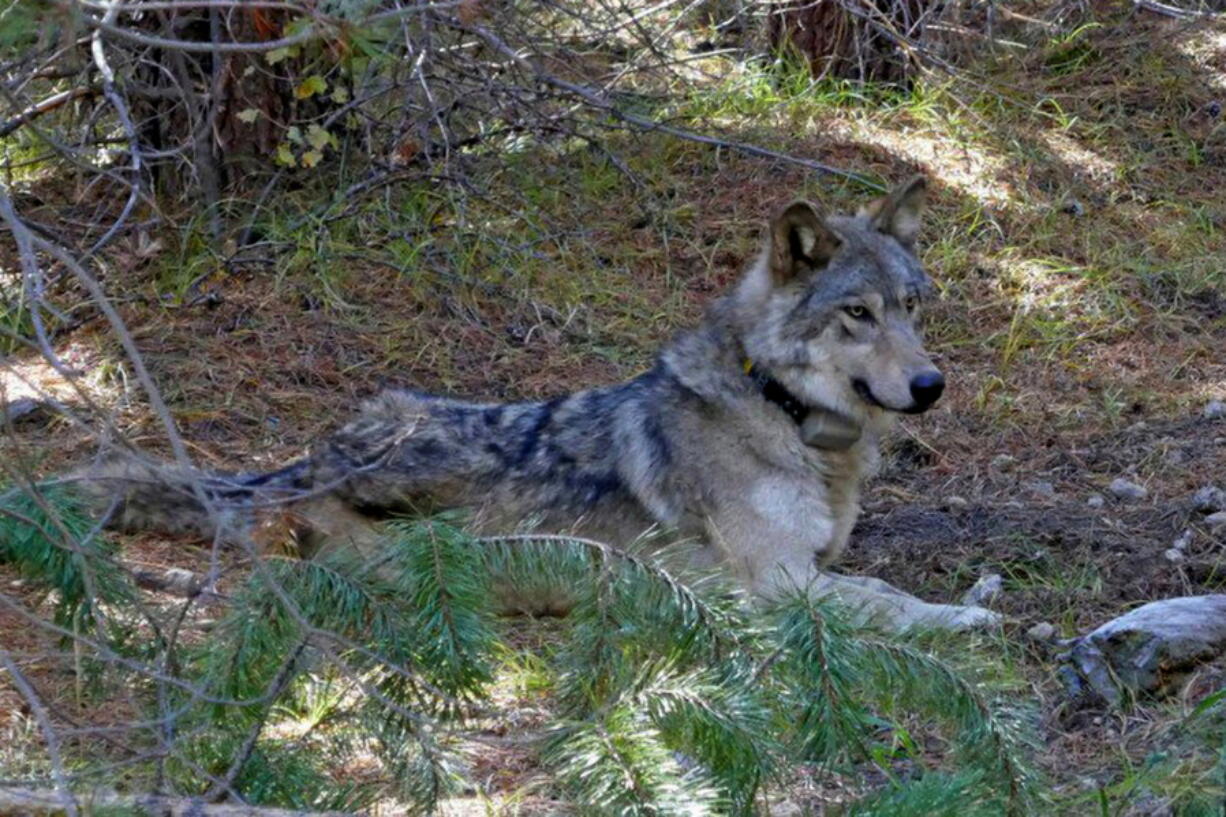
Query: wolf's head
{"points": [[832, 308]]}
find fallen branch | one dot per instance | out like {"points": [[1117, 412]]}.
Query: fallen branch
{"points": [[46, 106], [1168, 10], [596, 100], [22, 802]]}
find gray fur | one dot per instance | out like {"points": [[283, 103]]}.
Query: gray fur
{"points": [[691, 447]]}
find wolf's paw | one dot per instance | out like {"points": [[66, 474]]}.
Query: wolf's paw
{"points": [[956, 617], [951, 617]]}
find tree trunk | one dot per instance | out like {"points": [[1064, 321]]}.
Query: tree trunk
{"points": [[864, 40]]}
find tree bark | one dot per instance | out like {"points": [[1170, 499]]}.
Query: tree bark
{"points": [[849, 39]]}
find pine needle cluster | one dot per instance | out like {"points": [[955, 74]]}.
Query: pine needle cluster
{"points": [[335, 683]]}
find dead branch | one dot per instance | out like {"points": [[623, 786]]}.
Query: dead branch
{"points": [[194, 47], [30, 802], [61, 799], [595, 100], [1167, 10], [45, 106]]}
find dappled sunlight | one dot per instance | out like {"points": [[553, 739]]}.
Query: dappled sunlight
{"points": [[29, 375], [966, 167], [1206, 46], [1091, 165]]}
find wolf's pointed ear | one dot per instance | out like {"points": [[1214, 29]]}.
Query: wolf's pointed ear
{"points": [[800, 240], [898, 212]]}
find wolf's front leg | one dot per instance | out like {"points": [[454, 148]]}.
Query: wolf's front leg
{"points": [[873, 601], [778, 571]]}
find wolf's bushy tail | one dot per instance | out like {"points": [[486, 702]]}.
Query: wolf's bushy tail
{"points": [[138, 495]]}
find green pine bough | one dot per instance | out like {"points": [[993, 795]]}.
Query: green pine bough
{"points": [[660, 695]]}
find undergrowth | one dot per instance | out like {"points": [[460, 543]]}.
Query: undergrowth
{"points": [[663, 696]]}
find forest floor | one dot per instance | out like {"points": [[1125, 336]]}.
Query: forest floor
{"points": [[1077, 232]]}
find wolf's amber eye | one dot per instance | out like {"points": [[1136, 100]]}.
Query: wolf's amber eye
{"points": [[856, 311]]}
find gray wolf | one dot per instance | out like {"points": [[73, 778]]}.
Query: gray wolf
{"points": [[751, 435]]}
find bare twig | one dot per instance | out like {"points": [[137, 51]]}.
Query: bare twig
{"points": [[275, 687], [1168, 10], [318, 30], [32, 278], [596, 100], [44, 106], [125, 119], [62, 798]]}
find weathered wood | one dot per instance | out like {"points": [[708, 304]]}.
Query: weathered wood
{"points": [[16, 802], [1145, 650]]}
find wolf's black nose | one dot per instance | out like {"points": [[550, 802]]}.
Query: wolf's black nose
{"points": [[926, 389]]}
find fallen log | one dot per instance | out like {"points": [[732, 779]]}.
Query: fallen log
{"points": [[15, 802]]}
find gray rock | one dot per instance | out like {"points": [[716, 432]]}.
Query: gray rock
{"points": [[1095, 500], [1043, 631], [1073, 207], [1127, 491], [1147, 804], [1003, 462], [1147, 649], [985, 591], [1214, 410], [28, 410], [1216, 522], [174, 580], [1183, 540], [1173, 555], [956, 503], [1209, 499], [1042, 488]]}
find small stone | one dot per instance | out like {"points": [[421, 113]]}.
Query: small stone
{"points": [[1173, 555], [1095, 500], [984, 591], [1209, 499], [1144, 803], [1127, 491], [1043, 631], [27, 411], [1043, 488], [1183, 540], [182, 581], [1072, 207], [956, 503], [1216, 522], [1175, 456], [1214, 410], [1003, 462]]}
